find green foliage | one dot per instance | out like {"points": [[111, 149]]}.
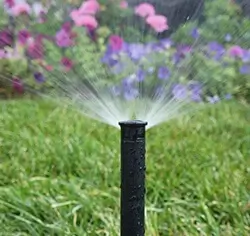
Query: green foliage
{"points": [[221, 18]]}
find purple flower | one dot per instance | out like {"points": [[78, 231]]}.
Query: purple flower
{"points": [[153, 47], [6, 38], [196, 91], [179, 91], [39, 77], [163, 73], [129, 81], [64, 38], [228, 37], [35, 48], [140, 75], [136, 51], [216, 49], [109, 58], [228, 96], [245, 70], [166, 43], [131, 93], [151, 70], [246, 56], [23, 36], [213, 99], [195, 33]]}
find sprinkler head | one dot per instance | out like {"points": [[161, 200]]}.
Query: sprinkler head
{"points": [[133, 177]]}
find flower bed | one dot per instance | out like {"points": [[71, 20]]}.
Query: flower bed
{"points": [[81, 45]]}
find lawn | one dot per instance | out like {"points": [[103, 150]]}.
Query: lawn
{"points": [[59, 173]]}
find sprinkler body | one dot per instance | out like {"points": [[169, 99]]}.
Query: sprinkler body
{"points": [[133, 178]]}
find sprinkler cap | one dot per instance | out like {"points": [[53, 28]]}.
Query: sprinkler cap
{"points": [[133, 123]]}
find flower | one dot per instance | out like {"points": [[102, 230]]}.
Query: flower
{"points": [[228, 96], [246, 56], [6, 38], [195, 33], [213, 99], [39, 77], [135, 51], [23, 36], [38, 9], [236, 51], [166, 43], [131, 93], [144, 10], [116, 42], [67, 63], [196, 91], [158, 23], [65, 38], [123, 4], [109, 57], [245, 70], [217, 50], [2, 54], [20, 8], [75, 14], [17, 85], [228, 37], [140, 75], [9, 3], [163, 73], [179, 91], [35, 49], [87, 21], [89, 7]]}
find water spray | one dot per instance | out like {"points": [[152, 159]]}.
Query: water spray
{"points": [[133, 169]]}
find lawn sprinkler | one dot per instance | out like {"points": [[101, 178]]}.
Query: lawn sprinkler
{"points": [[133, 178]]}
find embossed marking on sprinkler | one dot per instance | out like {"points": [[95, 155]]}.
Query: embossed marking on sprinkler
{"points": [[133, 177]]}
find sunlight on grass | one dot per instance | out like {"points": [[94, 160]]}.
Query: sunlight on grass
{"points": [[59, 173]]}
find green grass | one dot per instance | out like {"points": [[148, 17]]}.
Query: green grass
{"points": [[59, 173]]}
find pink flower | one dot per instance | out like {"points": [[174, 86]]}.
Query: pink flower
{"points": [[67, 26], [158, 23], [23, 36], [66, 63], [17, 85], [48, 67], [116, 42], [86, 20], [236, 51], [2, 53], [89, 7], [145, 10], [35, 47], [124, 4], [65, 38], [10, 3], [75, 14], [20, 8]]}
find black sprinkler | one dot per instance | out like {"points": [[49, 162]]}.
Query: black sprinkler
{"points": [[133, 178]]}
